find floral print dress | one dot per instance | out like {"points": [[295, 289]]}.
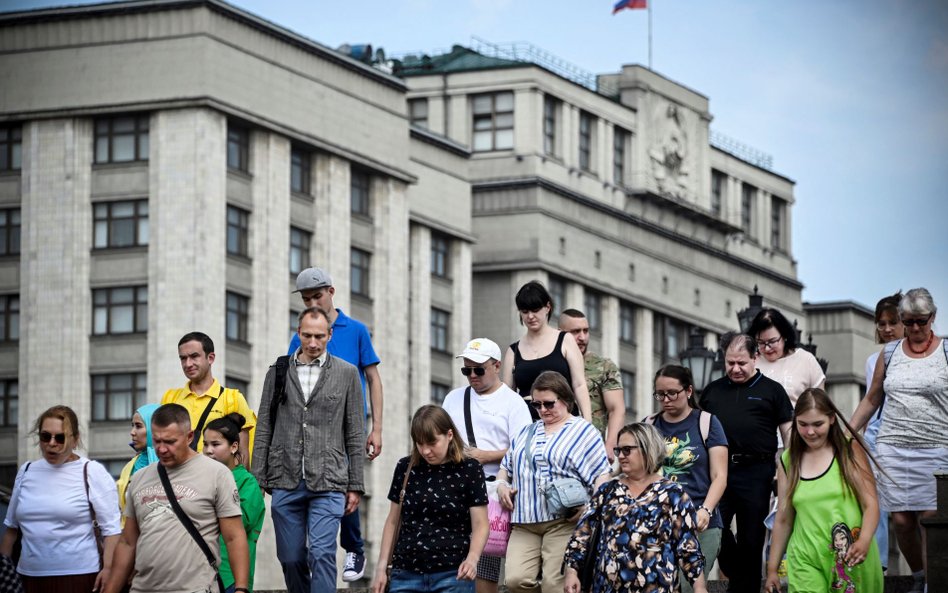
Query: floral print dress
{"points": [[645, 539]]}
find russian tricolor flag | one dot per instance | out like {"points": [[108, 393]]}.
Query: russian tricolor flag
{"points": [[630, 4]]}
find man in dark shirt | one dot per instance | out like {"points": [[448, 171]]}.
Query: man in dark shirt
{"points": [[751, 409]]}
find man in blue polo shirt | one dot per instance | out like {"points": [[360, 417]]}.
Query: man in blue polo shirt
{"points": [[350, 342]]}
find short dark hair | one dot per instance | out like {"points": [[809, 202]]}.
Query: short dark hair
{"points": [[772, 318], [206, 342], [314, 312], [736, 339], [169, 414], [229, 426], [574, 313], [532, 296], [888, 306], [555, 382]]}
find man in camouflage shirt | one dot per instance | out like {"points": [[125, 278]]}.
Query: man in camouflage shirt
{"points": [[602, 380]]}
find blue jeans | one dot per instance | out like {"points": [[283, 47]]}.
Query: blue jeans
{"points": [[301, 515], [404, 581], [350, 533]]}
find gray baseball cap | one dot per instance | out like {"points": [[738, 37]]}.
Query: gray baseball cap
{"points": [[311, 279]]}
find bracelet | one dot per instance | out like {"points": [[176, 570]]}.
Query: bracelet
{"points": [[243, 589], [706, 509]]}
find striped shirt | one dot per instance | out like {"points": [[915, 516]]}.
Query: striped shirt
{"points": [[575, 451]]}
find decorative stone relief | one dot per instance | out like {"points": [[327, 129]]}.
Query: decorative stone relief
{"points": [[669, 152]]}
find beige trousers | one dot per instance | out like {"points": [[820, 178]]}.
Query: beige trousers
{"points": [[536, 546]]}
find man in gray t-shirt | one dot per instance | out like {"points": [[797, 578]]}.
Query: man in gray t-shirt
{"points": [[165, 556]]}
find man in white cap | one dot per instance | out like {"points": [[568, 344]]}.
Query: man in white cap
{"points": [[350, 342], [488, 415]]}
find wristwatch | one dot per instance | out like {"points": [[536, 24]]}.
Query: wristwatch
{"points": [[706, 509]]}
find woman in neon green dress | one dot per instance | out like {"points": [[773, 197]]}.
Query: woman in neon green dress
{"points": [[828, 507]]}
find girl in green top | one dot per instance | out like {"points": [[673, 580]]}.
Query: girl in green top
{"points": [[828, 509], [221, 442]]}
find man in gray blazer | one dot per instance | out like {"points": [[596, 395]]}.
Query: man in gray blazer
{"points": [[309, 455]]}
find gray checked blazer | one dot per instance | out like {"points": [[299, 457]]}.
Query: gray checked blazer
{"points": [[328, 428]]}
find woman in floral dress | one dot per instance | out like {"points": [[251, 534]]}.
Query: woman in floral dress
{"points": [[648, 526]]}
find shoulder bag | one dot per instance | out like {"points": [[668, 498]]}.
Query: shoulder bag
{"points": [[398, 523], [188, 524], [561, 495], [200, 425], [96, 530]]}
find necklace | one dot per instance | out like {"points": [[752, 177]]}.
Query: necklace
{"points": [[931, 338]]}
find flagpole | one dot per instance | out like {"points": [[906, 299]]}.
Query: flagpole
{"points": [[650, 2]]}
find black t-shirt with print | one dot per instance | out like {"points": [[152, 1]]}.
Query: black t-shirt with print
{"points": [[436, 519]]}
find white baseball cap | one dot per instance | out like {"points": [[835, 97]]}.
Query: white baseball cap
{"points": [[480, 350]]}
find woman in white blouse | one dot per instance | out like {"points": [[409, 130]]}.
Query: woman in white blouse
{"points": [[781, 357]]}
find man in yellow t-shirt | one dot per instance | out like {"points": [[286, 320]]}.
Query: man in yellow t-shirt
{"points": [[203, 393]]}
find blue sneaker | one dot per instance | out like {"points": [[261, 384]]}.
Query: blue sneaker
{"points": [[354, 567]]}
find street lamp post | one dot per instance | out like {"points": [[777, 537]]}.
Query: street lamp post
{"points": [[746, 316], [699, 359]]}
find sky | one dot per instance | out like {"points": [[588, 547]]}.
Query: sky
{"points": [[849, 97]]}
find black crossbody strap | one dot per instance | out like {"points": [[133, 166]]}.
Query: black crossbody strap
{"points": [[188, 524], [200, 424], [468, 424]]}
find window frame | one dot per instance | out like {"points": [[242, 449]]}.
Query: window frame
{"points": [[360, 272], [301, 241], [748, 202], [138, 305], [440, 330], [8, 397], [551, 108], [140, 134], [11, 231], [238, 137], [240, 229], [300, 160], [585, 144], [620, 141], [778, 218], [138, 394], [556, 286], [11, 148], [592, 307], [138, 218], [415, 117], [628, 393], [442, 389], [440, 256], [237, 310], [718, 183], [627, 323], [360, 192], [493, 117]]}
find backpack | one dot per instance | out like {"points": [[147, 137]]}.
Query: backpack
{"points": [[282, 365], [704, 424]]}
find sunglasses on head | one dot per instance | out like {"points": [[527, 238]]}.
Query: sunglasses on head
{"points": [[919, 322], [46, 437], [479, 371], [624, 451], [538, 404]]}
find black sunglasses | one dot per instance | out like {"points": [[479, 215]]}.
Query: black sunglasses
{"points": [[548, 405], [479, 371], [624, 451], [46, 437], [919, 322]]}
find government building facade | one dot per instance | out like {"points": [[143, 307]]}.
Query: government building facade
{"points": [[171, 166]]}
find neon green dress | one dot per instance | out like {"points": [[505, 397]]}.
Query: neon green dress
{"points": [[828, 520], [252, 510]]}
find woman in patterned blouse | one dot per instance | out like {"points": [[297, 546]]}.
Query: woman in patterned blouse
{"points": [[648, 525]]}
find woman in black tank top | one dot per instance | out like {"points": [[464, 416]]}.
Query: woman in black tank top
{"points": [[523, 363]]}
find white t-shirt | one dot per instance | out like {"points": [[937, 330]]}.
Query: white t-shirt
{"points": [[796, 372], [50, 508], [496, 419]]}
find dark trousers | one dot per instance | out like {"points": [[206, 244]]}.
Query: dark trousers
{"points": [[748, 498], [350, 533]]}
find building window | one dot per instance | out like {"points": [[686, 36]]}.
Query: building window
{"points": [[620, 142], [551, 107], [115, 397], [628, 394], [238, 231], [748, 197], [359, 192], [299, 171], [359, 268], [585, 141], [238, 313], [11, 148], [557, 289], [627, 323], [439, 329], [120, 224], [778, 221], [439, 391], [493, 121], [294, 323], [10, 231], [299, 249], [418, 112], [119, 310], [717, 191], [440, 249], [9, 318], [121, 139], [670, 337], [9, 402], [592, 304], [238, 148], [238, 384]]}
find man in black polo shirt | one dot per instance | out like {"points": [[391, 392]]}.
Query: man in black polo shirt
{"points": [[751, 408]]}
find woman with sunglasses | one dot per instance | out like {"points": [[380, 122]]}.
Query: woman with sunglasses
{"points": [[912, 444], [782, 359], [52, 508], [557, 446], [647, 523], [544, 348], [695, 456]]}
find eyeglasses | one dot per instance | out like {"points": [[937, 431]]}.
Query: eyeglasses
{"points": [[548, 405], [624, 451], [669, 395], [768, 343], [919, 322], [46, 437], [479, 371]]}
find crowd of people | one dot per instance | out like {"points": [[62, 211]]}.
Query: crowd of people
{"points": [[534, 450]]}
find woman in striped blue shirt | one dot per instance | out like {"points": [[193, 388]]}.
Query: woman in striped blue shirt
{"points": [[559, 445]]}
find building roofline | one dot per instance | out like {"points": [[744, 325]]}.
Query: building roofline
{"points": [[218, 6], [751, 164], [425, 135], [827, 306]]}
